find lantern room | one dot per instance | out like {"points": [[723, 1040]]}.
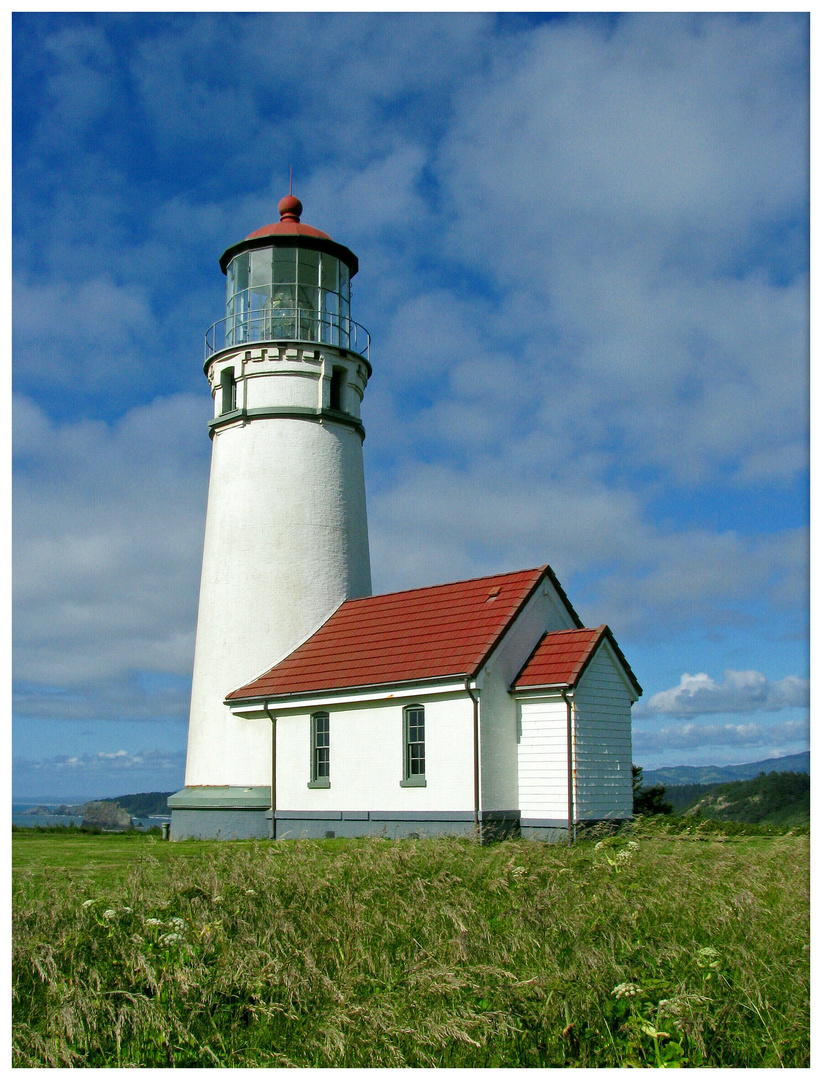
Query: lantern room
{"points": [[288, 281]]}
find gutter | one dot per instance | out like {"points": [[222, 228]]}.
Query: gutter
{"points": [[475, 700], [273, 720], [295, 698], [570, 748]]}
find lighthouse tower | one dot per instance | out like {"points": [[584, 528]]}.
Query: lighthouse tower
{"points": [[286, 539]]}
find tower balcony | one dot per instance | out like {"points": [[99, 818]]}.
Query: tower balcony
{"points": [[270, 314]]}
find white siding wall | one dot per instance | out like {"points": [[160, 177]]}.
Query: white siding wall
{"points": [[543, 760], [498, 709], [367, 758], [603, 740]]}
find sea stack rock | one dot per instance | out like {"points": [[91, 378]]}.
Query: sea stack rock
{"points": [[106, 815]]}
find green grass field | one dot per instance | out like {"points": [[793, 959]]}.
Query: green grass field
{"points": [[648, 948]]}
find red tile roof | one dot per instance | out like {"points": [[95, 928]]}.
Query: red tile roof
{"points": [[436, 632], [561, 657]]}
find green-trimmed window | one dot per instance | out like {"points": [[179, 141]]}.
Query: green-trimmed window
{"points": [[413, 725], [320, 750]]}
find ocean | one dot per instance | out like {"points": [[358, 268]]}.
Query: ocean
{"points": [[31, 821]]}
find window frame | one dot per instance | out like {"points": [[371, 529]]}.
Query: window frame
{"points": [[228, 391], [318, 781], [412, 779], [336, 388]]}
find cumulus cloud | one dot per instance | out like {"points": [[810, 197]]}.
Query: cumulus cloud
{"points": [[631, 210], [119, 760], [108, 531], [767, 740], [739, 691], [584, 266], [105, 773]]}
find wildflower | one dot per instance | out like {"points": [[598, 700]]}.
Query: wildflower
{"points": [[171, 939], [599, 845], [88, 903], [126, 910], [627, 989], [154, 922], [177, 922], [109, 913], [633, 845]]}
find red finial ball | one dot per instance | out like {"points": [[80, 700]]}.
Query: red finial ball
{"points": [[290, 208]]}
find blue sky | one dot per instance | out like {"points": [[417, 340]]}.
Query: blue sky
{"points": [[583, 248]]}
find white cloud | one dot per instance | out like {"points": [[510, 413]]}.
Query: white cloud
{"points": [[583, 262], [102, 773], [760, 740], [739, 691], [630, 224], [69, 334], [438, 521], [108, 531]]}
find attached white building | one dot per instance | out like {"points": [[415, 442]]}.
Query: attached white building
{"points": [[477, 707], [478, 704]]}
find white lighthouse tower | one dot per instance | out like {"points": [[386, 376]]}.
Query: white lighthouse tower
{"points": [[286, 538]]}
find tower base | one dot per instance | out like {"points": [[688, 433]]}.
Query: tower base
{"points": [[221, 813]]}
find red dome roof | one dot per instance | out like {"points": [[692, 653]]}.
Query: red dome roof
{"points": [[289, 224]]}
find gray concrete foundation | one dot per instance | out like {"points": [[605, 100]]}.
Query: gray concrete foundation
{"points": [[494, 824], [221, 813]]}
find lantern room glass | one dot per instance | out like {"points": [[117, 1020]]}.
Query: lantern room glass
{"points": [[297, 293]]}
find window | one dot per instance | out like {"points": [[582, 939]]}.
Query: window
{"points": [[228, 391], [320, 750], [336, 395], [413, 722]]}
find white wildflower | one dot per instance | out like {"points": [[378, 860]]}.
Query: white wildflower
{"points": [[109, 913], [171, 939], [154, 922], [177, 922], [626, 989], [250, 892], [88, 903]]}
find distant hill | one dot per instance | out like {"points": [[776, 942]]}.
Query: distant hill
{"points": [[719, 774], [145, 804], [776, 798]]}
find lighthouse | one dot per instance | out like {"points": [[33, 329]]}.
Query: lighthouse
{"points": [[286, 537]]}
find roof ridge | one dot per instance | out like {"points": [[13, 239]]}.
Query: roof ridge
{"points": [[446, 584]]}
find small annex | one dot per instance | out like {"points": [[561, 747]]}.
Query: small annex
{"points": [[479, 706]]}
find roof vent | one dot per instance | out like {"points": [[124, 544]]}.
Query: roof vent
{"points": [[493, 593]]}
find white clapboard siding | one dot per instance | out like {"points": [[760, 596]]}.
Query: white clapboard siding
{"points": [[603, 741], [542, 759]]}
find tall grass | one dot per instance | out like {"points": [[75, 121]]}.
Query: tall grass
{"points": [[640, 949]]}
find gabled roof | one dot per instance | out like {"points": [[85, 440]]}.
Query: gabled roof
{"points": [[442, 631], [561, 656]]}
